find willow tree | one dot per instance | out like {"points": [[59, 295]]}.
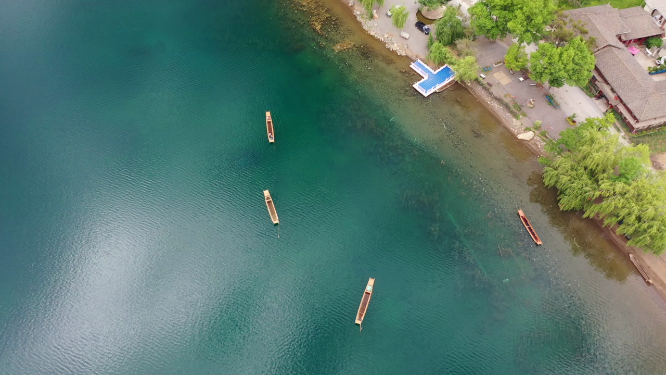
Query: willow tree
{"points": [[598, 175], [368, 4], [400, 15], [449, 27], [440, 54], [466, 69]]}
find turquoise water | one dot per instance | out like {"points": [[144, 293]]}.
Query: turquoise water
{"points": [[134, 238]]}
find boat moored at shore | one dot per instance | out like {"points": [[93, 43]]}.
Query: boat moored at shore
{"points": [[529, 227]]}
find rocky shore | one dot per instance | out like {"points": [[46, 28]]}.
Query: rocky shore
{"points": [[372, 27]]}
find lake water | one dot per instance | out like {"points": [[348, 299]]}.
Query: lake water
{"points": [[134, 238]]}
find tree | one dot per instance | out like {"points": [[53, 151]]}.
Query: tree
{"points": [[368, 4], [654, 42], [440, 54], [449, 27], [564, 29], [571, 64], [466, 69], [400, 15], [524, 19], [432, 4], [466, 47], [596, 174], [516, 58]]}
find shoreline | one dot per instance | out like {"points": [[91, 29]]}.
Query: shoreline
{"points": [[654, 266]]}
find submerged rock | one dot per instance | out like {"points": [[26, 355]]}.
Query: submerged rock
{"points": [[347, 44]]}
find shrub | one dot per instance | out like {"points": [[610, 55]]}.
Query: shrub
{"points": [[654, 42]]}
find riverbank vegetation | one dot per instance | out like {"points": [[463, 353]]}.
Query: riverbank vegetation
{"points": [[598, 175], [566, 59], [619, 4], [523, 19], [571, 64], [465, 67], [400, 15], [449, 28], [432, 4], [368, 4]]}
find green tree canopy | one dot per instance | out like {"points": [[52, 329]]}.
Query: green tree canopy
{"points": [[516, 58], [571, 64], [564, 29], [655, 41], [400, 15], [368, 4], [432, 4], [449, 27], [466, 69], [524, 19], [466, 47], [440, 54], [598, 175]]}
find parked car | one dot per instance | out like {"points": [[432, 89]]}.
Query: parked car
{"points": [[423, 27]]}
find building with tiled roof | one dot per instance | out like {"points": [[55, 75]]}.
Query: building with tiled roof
{"points": [[621, 79]]}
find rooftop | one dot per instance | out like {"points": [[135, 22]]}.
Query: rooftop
{"points": [[606, 23], [645, 97], [638, 23]]}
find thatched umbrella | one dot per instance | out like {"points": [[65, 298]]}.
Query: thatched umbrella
{"points": [[433, 14]]}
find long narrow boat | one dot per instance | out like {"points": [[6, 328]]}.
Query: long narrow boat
{"points": [[271, 207], [529, 227], [640, 269], [269, 127], [365, 301]]}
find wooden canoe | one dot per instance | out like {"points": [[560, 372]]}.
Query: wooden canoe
{"points": [[269, 127], [365, 301], [529, 227], [271, 207]]}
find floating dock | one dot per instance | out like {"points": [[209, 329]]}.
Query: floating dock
{"points": [[365, 301], [432, 80], [269, 127], [271, 207], [529, 227]]}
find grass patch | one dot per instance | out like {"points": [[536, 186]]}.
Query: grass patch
{"points": [[656, 140], [620, 120], [619, 4]]}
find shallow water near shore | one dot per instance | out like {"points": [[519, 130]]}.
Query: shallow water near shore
{"points": [[134, 238]]}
